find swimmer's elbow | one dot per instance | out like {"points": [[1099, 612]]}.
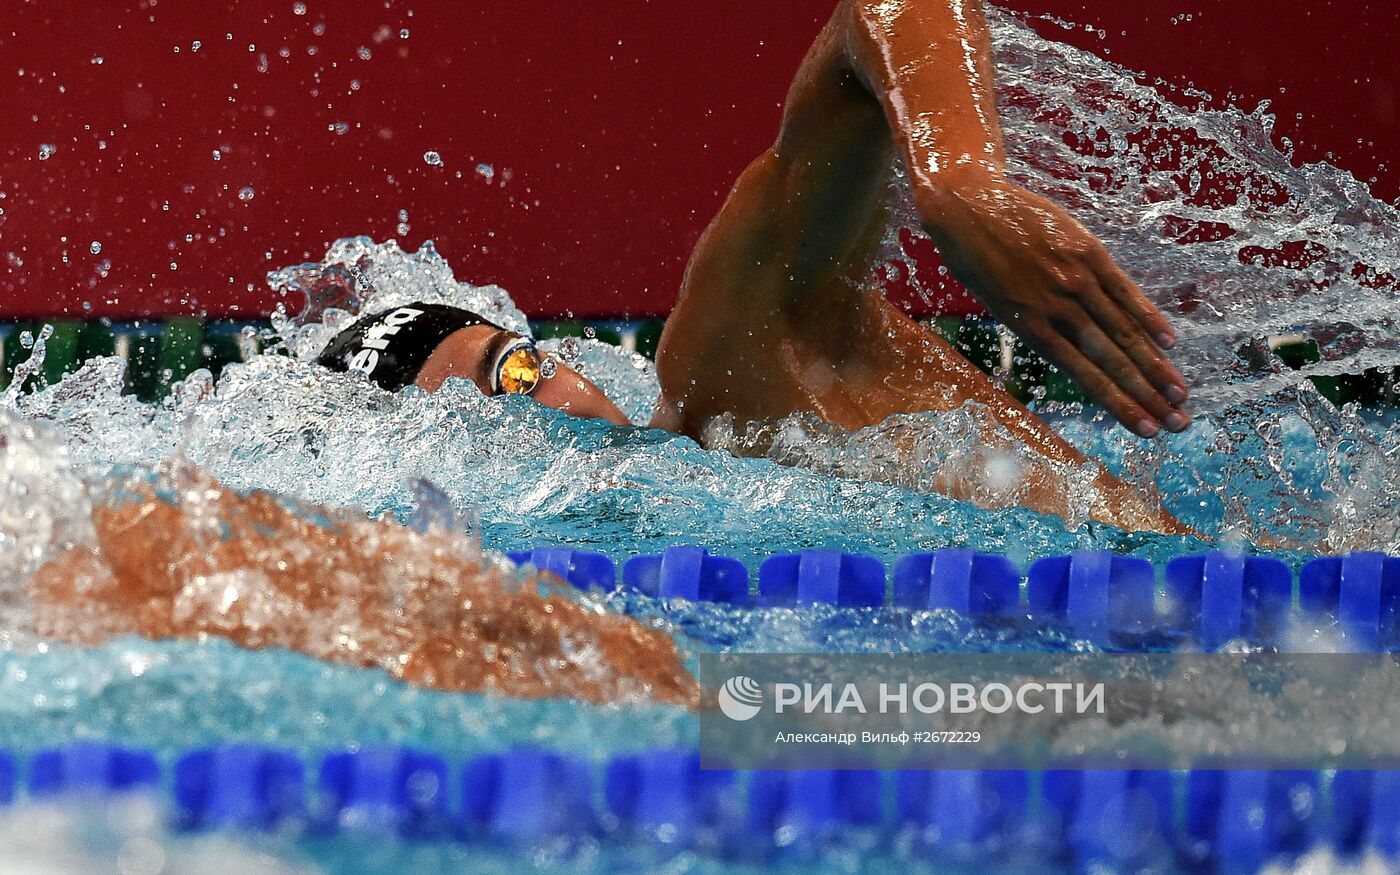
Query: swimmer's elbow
{"points": [[767, 174]]}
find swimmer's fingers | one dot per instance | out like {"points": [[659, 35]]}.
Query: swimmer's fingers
{"points": [[1130, 297], [1100, 386], [1140, 357], [1138, 383]]}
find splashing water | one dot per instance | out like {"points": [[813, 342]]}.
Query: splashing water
{"points": [[1213, 220], [1232, 241], [43, 504], [29, 367], [1272, 462], [361, 276]]}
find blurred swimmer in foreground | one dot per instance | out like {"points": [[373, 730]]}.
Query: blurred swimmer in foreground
{"points": [[190, 559], [778, 313]]}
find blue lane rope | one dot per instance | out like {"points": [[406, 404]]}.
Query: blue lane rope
{"points": [[972, 584], [1366, 813], [7, 778], [91, 767], [1103, 597], [1224, 596], [527, 795], [690, 573], [239, 786], [1113, 816]]}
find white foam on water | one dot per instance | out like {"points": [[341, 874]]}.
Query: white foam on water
{"points": [[129, 836]]}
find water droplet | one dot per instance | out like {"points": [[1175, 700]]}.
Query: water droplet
{"points": [[568, 349], [299, 8], [590, 332], [548, 368], [403, 34], [96, 248], [364, 53], [432, 158], [246, 193], [338, 128], [485, 171], [46, 151]]}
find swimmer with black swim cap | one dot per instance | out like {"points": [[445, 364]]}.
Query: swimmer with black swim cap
{"points": [[424, 344], [391, 348], [778, 314]]}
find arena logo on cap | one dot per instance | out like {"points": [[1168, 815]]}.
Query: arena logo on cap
{"points": [[741, 698]]}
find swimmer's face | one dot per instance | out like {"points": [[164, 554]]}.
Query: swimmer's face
{"points": [[473, 353]]}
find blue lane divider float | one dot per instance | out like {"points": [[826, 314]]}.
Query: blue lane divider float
{"points": [[689, 573], [1233, 820], [972, 584], [665, 795], [811, 805], [1361, 591], [7, 778], [528, 794], [1222, 596], [584, 569], [1206, 599], [241, 786], [962, 811], [91, 767], [829, 577], [384, 789], [1366, 813], [1119, 818], [1096, 594], [1241, 820]]}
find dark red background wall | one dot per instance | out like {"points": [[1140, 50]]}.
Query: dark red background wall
{"points": [[612, 129]]}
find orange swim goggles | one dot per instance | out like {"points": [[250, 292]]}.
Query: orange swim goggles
{"points": [[518, 369]]}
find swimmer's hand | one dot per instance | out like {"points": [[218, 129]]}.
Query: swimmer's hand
{"points": [[929, 63], [1048, 279]]}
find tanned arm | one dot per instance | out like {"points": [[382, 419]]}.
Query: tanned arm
{"points": [[1036, 269], [778, 313]]}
